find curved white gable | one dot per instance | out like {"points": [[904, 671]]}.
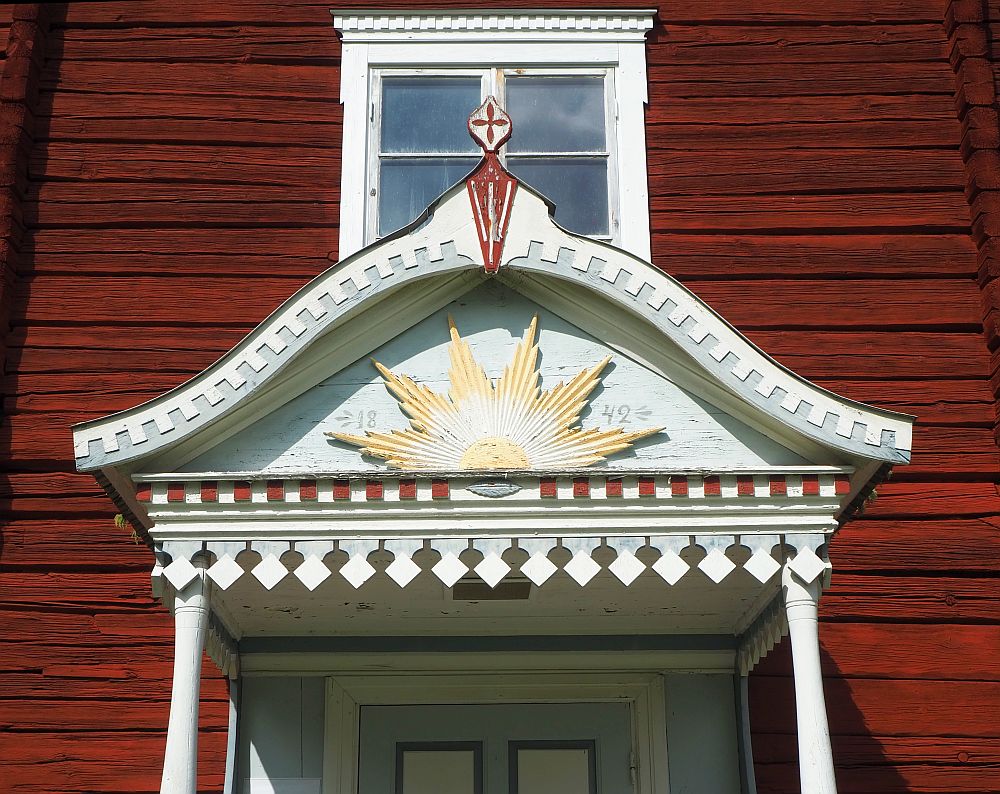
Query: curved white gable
{"points": [[291, 439], [444, 244]]}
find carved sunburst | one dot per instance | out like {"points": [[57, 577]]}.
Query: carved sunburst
{"points": [[482, 425]]}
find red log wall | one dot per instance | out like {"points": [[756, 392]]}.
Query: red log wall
{"points": [[807, 178]]}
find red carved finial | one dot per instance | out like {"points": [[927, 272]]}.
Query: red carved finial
{"points": [[491, 188], [489, 125]]}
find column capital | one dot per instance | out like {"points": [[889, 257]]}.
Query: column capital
{"points": [[798, 592]]}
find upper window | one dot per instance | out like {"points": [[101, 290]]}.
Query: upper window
{"points": [[562, 125], [574, 83]]}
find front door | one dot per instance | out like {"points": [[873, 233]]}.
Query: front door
{"points": [[573, 748]]}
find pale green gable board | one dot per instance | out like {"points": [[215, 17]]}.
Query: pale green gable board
{"points": [[492, 318]]}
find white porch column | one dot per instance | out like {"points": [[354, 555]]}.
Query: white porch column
{"points": [[180, 761], [815, 752]]}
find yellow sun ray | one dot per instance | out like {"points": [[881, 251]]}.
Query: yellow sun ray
{"points": [[479, 425]]}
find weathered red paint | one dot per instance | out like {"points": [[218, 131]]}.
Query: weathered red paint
{"points": [[440, 489], [407, 489], [175, 492], [809, 176]]}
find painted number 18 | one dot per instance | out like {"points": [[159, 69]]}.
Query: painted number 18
{"points": [[361, 420]]}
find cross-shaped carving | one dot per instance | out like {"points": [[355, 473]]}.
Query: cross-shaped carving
{"points": [[484, 120]]}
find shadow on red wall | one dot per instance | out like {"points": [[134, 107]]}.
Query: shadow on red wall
{"points": [[862, 759]]}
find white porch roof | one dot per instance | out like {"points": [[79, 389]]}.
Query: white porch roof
{"points": [[700, 536]]}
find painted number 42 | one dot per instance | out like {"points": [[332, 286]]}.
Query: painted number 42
{"points": [[624, 414]]}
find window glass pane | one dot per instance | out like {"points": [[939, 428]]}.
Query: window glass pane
{"points": [[429, 771], [428, 114], [556, 114], [577, 185], [554, 771], [409, 184]]}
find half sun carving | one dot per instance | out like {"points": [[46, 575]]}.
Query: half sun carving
{"points": [[482, 425]]}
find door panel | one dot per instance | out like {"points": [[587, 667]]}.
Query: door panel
{"points": [[573, 748], [552, 767]]}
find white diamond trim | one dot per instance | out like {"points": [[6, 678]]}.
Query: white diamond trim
{"points": [[492, 570], [357, 571], [627, 567], [449, 569], [539, 569], [717, 564], [671, 567], [582, 568], [807, 565], [402, 570], [225, 572], [312, 572], [762, 566], [180, 573], [269, 571]]}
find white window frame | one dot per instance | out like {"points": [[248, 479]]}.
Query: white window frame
{"points": [[554, 40]]}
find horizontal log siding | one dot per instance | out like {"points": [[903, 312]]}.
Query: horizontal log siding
{"points": [[805, 177]]}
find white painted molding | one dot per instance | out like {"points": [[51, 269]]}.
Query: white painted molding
{"points": [[612, 39], [522, 24]]}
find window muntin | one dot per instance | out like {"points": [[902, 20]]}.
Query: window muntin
{"points": [[563, 121]]}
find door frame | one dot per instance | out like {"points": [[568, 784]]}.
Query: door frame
{"points": [[347, 693]]}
